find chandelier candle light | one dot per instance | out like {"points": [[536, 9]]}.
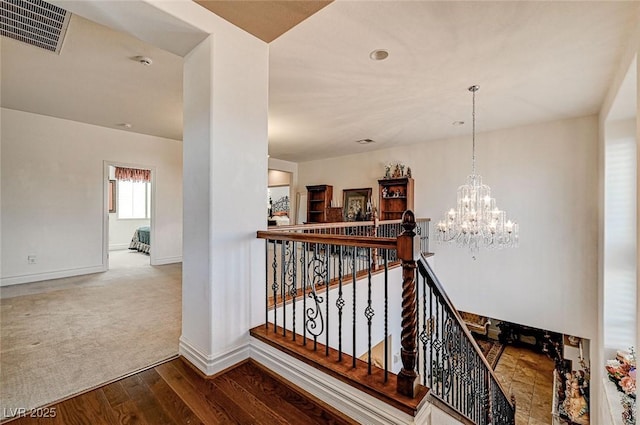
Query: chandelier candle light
{"points": [[477, 221]]}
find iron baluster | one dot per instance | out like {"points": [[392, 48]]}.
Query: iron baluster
{"points": [[326, 283], [283, 287], [266, 283], [353, 277], [294, 285], [369, 313], [386, 316], [340, 303], [433, 323], [305, 249], [274, 287]]}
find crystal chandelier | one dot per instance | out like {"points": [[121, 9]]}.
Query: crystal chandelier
{"points": [[477, 221]]}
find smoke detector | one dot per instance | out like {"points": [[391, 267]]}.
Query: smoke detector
{"points": [[144, 60]]}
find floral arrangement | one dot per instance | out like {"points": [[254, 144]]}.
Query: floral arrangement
{"points": [[622, 372]]}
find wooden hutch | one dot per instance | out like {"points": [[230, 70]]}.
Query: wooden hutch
{"points": [[318, 202], [396, 196]]}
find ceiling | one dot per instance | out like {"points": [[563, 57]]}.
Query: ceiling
{"points": [[534, 62]]}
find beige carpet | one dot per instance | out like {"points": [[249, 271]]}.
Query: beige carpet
{"points": [[96, 328]]}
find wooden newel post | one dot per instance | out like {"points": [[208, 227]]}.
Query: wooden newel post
{"points": [[408, 352]]}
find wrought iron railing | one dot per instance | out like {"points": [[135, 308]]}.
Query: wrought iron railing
{"points": [[303, 302], [329, 284], [371, 229], [450, 362], [329, 288]]}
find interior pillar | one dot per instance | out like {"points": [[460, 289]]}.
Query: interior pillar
{"points": [[225, 186]]}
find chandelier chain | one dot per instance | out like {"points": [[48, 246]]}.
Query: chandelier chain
{"points": [[473, 90]]}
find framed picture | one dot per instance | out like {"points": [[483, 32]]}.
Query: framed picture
{"points": [[356, 204], [112, 196]]}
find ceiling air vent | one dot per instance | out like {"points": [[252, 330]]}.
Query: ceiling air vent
{"points": [[34, 22]]}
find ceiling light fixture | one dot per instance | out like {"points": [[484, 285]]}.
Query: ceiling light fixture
{"points": [[379, 55], [365, 141], [476, 221], [144, 60]]}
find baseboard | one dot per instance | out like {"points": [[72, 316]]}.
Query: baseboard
{"points": [[119, 246], [166, 260], [37, 277], [352, 402], [212, 364]]}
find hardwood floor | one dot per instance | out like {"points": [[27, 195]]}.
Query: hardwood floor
{"points": [[174, 393]]}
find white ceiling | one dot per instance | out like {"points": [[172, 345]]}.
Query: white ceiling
{"points": [[95, 80], [534, 61]]}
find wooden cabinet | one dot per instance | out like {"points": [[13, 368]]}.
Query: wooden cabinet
{"points": [[318, 201], [396, 196]]}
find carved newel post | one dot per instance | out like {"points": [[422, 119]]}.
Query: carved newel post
{"points": [[408, 352]]}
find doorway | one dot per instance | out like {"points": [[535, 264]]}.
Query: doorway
{"points": [[129, 236], [279, 198]]}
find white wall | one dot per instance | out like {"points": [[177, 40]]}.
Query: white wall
{"points": [[545, 177], [53, 199], [121, 231]]}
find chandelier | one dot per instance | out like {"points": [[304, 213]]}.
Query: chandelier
{"points": [[476, 221]]}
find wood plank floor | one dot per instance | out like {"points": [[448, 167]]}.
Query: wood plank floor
{"points": [[174, 393]]}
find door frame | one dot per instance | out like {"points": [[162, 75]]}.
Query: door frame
{"points": [[105, 209]]}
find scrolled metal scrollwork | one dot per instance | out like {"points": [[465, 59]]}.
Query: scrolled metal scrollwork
{"points": [[317, 275], [290, 270]]}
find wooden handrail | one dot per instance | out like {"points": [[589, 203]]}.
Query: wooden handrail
{"points": [[425, 269], [357, 241], [339, 225]]}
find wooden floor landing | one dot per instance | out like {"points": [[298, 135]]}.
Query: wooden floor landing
{"points": [[174, 393], [358, 377]]}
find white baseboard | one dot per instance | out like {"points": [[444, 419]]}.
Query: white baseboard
{"points": [[212, 364], [354, 403], [58, 274], [119, 246], [166, 260]]}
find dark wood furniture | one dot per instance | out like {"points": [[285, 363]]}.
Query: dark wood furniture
{"points": [[334, 214], [540, 340], [396, 196], [318, 201]]}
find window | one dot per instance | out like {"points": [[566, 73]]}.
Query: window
{"points": [[134, 199], [620, 265]]}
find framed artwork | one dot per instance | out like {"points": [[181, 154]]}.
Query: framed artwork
{"points": [[112, 196], [356, 204]]}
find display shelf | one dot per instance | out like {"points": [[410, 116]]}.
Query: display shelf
{"points": [[318, 202], [391, 207]]}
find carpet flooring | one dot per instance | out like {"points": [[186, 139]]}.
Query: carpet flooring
{"points": [[78, 333]]}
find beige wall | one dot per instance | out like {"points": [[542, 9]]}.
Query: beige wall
{"points": [[545, 177]]}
